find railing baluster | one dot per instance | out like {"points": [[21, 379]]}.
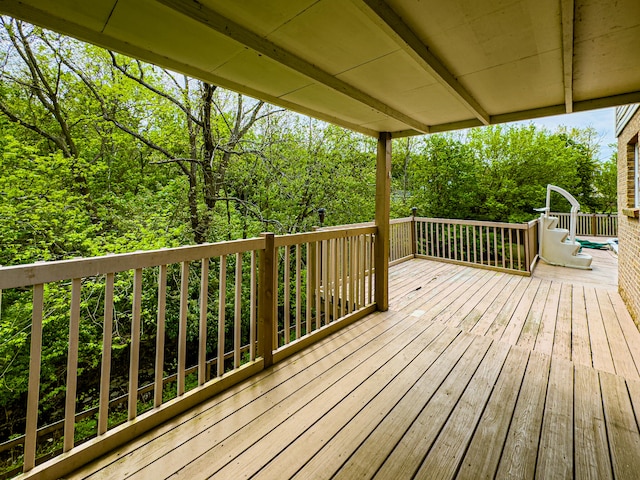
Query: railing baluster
{"points": [[511, 248], [336, 291], [495, 245], [274, 305], [344, 262], [252, 309], [222, 305], [72, 366], [370, 247], [319, 270], [237, 317], [162, 305], [488, 245], [287, 295], [502, 241], [466, 231], [392, 243], [182, 329], [33, 392], [309, 288], [519, 252], [135, 343], [105, 368], [351, 306], [202, 332], [356, 273], [349, 260], [425, 238], [325, 278], [298, 292]]}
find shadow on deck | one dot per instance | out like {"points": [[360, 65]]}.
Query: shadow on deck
{"points": [[470, 374]]}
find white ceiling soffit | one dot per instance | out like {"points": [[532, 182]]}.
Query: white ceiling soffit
{"points": [[403, 66]]}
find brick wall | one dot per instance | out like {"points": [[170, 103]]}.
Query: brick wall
{"points": [[628, 226]]}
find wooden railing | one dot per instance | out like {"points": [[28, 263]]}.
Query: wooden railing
{"points": [[321, 278], [508, 247], [511, 247], [234, 307], [401, 237], [402, 240], [592, 224]]}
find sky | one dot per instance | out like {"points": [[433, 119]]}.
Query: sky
{"points": [[603, 121]]}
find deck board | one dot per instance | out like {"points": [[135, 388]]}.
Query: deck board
{"points": [[484, 452], [521, 446], [449, 448], [411, 448], [546, 334], [470, 374], [591, 451], [555, 452]]}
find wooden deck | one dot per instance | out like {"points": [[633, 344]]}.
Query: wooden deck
{"points": [[470, 374]]}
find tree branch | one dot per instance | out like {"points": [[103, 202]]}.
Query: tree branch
{"points": [[105, 114], [253, 209], [140, 80], [34, 128]]}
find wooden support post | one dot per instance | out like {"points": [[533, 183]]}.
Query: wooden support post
{"points": [[383, 194], [594, 225], [266, 298]]}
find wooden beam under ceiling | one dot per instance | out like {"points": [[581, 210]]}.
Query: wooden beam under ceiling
{"points": [[390, 21], [567, 14], [206, 16]]}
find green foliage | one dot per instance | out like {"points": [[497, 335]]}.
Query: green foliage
{"points": [[43, 218], [501, 173], [605, 185]]}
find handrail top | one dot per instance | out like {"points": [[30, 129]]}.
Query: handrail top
{"points": [[323, 234], [53, 271], [18, 276], [516, 226]]}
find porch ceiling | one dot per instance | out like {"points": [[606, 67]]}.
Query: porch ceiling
{"points": [[404, 66]]}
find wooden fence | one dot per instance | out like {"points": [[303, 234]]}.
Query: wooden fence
{"points": [[592, 224], [235, 307]]}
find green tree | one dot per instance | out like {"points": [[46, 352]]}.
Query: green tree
{"points": [[605, 184]]}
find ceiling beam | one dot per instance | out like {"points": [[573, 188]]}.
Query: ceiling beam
{"points": [[567, 15], [396, 28], [206, 16], [531, 114]]}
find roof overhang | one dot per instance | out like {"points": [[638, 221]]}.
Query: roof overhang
{"points": [[400, 66]]}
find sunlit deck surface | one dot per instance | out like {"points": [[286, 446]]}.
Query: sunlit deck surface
{"points": [[470, 374]]}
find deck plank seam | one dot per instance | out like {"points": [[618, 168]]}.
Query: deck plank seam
{"points": [[426, 403], [264, 377], [442, 351], [343, 375]]}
